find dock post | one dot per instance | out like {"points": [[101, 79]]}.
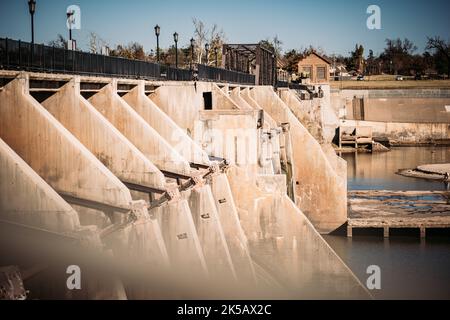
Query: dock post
{"points": [[423, 232], [349, 232], [386, 232]]}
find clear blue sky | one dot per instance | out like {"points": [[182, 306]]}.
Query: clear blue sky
{"points": [[333, 25]]}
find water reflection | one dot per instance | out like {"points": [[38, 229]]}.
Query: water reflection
{"points": [[411, 268], [378, 171]]}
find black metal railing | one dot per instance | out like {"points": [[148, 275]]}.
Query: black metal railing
{"points": [[19, 55], [290, 85], [169, 73], [207, 73]]}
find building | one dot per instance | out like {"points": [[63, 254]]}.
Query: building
{"points": [[315, 67]]}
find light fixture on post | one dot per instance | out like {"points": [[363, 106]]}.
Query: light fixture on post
{"points": [[207, 52], [192, 52], [69, 20], [175, 39], [215, 54], [32, 9], [157, 33]]}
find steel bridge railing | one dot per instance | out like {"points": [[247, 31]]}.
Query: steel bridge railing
{"points": [[19, 55], [208, 73]]}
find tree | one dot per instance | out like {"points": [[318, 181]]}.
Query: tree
{"points": [[442, 53], [133, 50], [59, 42], [356, 59], [397, 55], [95, 42], [274, 45], [214, 36], [292, 58]]}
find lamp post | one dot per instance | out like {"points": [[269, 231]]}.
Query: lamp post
{"points": [[175, 39], [207, 52], [32, 8], [215, 55], [157, 33], [192, 52], [69, 20]]}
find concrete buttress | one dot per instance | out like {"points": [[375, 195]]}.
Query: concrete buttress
{"points": [[54, 153], [320, 192], [158, 150], [174, 135], [26, 198]]}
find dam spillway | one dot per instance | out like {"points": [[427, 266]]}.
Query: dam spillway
{"points": [[213, 185]]}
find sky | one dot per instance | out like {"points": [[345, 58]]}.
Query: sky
{"points": [[335, 26]]}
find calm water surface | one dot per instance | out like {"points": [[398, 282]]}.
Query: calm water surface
{"points": [[410, 268]]}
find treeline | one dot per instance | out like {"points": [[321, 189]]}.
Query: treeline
{"points": [[399, 57]]}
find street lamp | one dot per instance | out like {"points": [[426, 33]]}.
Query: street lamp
{"points": [[207, 52], [215, 54], [32, 8], [69, 20], [192, 51], [175, 39], [157, 33]]}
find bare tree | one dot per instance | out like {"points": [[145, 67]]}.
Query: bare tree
{"points": [[442, 47], [200, 36], [216, 40], [215, 37], [95, 42]]}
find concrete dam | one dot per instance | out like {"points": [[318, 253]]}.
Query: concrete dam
{"points": [[170, 189]]}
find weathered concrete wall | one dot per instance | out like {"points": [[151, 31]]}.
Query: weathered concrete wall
{"points": [[308, 112], [321, 192], [52, 151], [405, 133], [182, 102], [284, 243], [409, 106], [221, 99], [165, 126], [26, 198], [235, 95], [234, 234], [101, 137], [181, 239], [137, 131], [169, 130], [229, 134], [201, 201], [210, 233], [268, 121], [311, 113]]}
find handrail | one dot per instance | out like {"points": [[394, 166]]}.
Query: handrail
{"points": [[25, 56]]}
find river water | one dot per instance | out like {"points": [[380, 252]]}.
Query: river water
{"points": [[410, 268]]}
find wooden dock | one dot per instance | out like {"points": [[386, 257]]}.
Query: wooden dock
{"points": [[398, 209]]}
